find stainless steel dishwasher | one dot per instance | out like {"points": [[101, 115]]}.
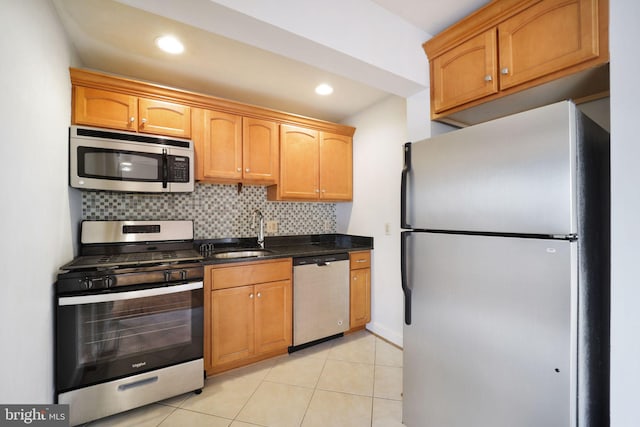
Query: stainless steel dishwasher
{"points": [[320, 298]]}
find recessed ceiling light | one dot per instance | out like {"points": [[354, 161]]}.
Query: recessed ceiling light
{"points": [[324, 89], [170, 44]]}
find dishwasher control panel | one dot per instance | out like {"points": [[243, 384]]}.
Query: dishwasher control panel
{"points": [[320, 259]]}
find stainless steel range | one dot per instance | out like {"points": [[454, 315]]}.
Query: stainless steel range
{"points": [[129, 318]]}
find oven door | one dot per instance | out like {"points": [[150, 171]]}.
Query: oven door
{"points": [[105, 336]]}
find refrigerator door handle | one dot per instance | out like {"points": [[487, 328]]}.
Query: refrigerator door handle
{"points": [[404, 278], [403, 186]]}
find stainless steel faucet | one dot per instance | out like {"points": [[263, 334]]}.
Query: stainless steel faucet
{"points": [[260, 226]]}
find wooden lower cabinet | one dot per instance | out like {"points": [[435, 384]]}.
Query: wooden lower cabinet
{"points": [[360, 289], [244, 322]]}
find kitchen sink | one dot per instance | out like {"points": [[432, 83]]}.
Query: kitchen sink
{"points": [[241, 254]]}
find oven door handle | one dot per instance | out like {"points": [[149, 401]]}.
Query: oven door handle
{"points": [[119, 296]]}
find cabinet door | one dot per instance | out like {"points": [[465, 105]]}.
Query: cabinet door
{"points": [[260, 154], [360, 294], [164, 118], [336, 167], [273, 316], [299, 163], [101, 108], [222, 146], [465, 73], [232, 324], [549, 36]]}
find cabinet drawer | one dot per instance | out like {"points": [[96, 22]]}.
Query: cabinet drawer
{"points": [[360, 260], [230, 276]]}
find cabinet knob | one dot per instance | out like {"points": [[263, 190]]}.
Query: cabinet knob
{"points": [[246, 170], [317, 190], [259, 295], [504, 71], [251, 296], [144, 121], [324, 191], [488, 78], [132, 119], [239, 169]]}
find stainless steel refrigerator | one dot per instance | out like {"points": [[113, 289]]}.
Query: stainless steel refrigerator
{"points": [[505, 271]]}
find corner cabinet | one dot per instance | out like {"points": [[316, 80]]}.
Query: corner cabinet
{"points": [[114, 110], [314, 166], [359, 289], [512, 45], [248, 313]]}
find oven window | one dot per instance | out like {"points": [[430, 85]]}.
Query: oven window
{"points": [[117, 329], [122, 335], [119, 165]]}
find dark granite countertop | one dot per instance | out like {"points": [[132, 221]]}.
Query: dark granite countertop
{"points": [[283, 246]]}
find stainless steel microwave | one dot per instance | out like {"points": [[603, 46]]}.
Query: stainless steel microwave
{"points": [[102, 159]]}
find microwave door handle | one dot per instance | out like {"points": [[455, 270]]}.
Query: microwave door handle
{"points": [[165, 168]]}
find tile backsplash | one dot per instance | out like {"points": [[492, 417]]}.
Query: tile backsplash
{"points": [[218, 211]]}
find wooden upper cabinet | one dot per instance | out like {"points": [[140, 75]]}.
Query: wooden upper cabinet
{"points": [[314, 166], [336, 167], [465, 73], [114, 110], [549, 36], [235, 148], [164, 118], [260, 150], [221, 147], [299, 163], [509, 46], [102, 108]]}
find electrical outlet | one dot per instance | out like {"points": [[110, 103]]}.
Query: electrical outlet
{"points": [[272, 226]]}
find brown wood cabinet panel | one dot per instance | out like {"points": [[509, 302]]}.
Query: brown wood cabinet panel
{"points": [[314, 166], [273, 316], [550, 36], [164, 118], [359, 260], [336, 167], [232, 324], [228, 276], [260, 151], [552, 49], [360, 293], [102, 108], [249, 314], [221, 146], [466, 72], [359, 289], [299, 163]]}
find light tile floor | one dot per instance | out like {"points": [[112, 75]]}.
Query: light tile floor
{"points": [[351, 381]]}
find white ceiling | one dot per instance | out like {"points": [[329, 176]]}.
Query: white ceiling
{"points": [[117, 38]]}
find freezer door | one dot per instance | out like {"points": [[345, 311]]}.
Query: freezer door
{"points": [[512, 175], [492, 339]]}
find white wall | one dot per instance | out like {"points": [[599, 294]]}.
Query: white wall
{"points": [[36, 216], [625, 153], [381, 130]]}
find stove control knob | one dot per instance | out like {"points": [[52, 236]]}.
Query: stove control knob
{"points": [[108, 282], [167, 276], [87, 283], [183, 274]]}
